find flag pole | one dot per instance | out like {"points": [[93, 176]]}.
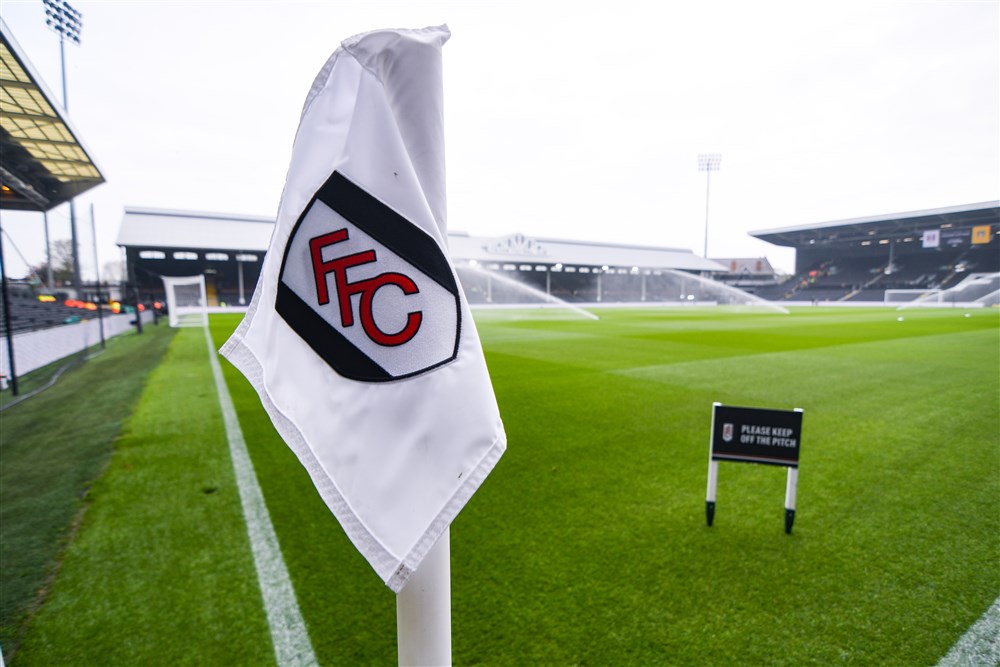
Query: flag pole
{"points": [[423, 610], [423, 607]]}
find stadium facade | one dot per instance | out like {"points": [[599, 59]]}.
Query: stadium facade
{"points": [[844, 260], [229, 251]]}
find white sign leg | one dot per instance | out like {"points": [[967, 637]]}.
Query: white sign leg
{"points": [[713, 480], [790, 488]]}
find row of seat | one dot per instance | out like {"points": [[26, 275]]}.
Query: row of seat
{"points": [[29, 314]]}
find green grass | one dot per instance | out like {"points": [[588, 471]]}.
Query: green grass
{"points": [[588, 544], [53, 446], [38, 379], [895, 547], [160, 571]]}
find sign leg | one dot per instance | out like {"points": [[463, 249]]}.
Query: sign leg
{"points": [[713, 479], [790, 489]]}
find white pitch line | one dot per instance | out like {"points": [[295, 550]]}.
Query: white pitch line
{"points": [[288, 631], [980, 645]]}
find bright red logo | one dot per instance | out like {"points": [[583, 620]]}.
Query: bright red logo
{"points": [[366, 288], [369, 291]]}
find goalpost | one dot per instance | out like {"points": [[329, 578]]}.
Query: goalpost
{"points": [[977, 290], [926, 295], [187, 304]]}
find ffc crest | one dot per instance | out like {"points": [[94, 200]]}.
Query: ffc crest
{"points": [[727, 432], [371, 293]]}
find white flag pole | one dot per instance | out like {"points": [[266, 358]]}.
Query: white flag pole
{"points": [[368, 169], [423, 610], [423, 607]]}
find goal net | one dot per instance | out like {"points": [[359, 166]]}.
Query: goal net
{"points": [[897, 296], [186, 301], [976, 290]]}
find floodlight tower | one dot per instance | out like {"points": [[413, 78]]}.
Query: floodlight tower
{"points": [[708, 162], [67, 23]]}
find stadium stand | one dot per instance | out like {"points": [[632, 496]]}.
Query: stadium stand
{"points": [[851, 260], [44, 165], [858, 259], [29, 314]]}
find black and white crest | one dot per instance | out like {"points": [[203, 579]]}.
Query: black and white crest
{"points": [[727, 432], [370, 292]]}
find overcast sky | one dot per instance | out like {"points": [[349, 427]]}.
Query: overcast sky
{"points": [[574, 120]]}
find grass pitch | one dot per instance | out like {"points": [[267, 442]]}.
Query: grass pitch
{"points": [[53, 447], [588, 543]]}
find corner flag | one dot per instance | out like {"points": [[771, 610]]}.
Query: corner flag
{"points": [[359, 339]]}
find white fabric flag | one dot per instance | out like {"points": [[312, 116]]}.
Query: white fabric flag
{"points": [[359, 339]]}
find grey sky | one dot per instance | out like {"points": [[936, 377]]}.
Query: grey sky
{"points": [[563, 119]]}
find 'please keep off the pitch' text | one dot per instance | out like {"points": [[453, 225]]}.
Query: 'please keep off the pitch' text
{"points": [[766, 435]]}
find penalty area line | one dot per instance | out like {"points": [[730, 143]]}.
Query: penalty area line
{"points": [[288, 630], [980, 645]]}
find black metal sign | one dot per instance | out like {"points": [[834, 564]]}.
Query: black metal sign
{"points": [[756, 435]]}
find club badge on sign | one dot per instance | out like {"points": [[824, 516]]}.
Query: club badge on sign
{"points": [[727, 432]]}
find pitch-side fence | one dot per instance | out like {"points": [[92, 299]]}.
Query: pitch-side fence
{"points": [[34, 349]]}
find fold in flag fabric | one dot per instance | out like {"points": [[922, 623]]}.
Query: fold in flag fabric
{"points": [[359, 339]]}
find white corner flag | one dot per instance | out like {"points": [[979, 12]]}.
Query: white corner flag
{"points": [[359, 338]]}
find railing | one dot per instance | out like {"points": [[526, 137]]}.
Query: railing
{"points": [[34, 349]]}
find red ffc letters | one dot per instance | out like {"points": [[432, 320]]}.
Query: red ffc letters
{"points": [[366, 288]]}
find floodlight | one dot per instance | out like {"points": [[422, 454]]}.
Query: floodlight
{"points": [[708, 162], [63, 19], [67, 22]]}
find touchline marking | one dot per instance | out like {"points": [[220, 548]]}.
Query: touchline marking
{"points": [[980, 645], [288, 631]]}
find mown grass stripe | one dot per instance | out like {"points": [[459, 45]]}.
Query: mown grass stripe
{"points": [[288, 629], [980, 645]]}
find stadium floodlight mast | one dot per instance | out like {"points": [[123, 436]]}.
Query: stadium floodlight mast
{"points": [[67, 22], [708, 162]]}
